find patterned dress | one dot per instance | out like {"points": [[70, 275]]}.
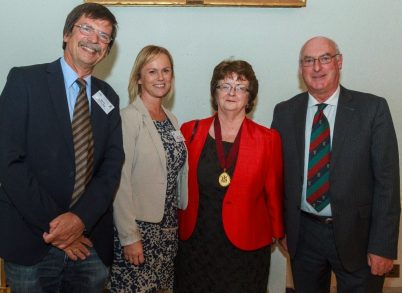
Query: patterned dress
{"points": [[159, 240]]}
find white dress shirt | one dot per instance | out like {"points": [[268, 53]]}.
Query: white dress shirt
{"points": [[330, 113]]}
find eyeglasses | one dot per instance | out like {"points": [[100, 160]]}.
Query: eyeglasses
{"points": [[227, 88], [324, 59], [88, 30]]}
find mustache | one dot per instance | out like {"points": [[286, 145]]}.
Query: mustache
{"points": [[92, 46]]}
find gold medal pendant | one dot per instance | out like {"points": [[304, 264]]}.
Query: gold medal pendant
{"points": [[225, 162], [224, 179]]}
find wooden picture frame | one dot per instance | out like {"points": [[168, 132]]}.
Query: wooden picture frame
{"points": [[195, 3]]}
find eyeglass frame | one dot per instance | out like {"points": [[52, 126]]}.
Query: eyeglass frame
{"points": [[88, 30], [319, 59], [227, 88]]}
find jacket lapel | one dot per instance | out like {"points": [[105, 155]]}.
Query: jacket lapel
{"points": [[98, 119], [171, 118], [153, 132], [197, 144], [59, 99], [299, 116], [246, 151], [343, 120]]}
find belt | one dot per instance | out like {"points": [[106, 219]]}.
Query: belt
{"points": [[316, 218]]}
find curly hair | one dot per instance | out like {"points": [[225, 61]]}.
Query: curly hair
{"points": [[244, 71]]}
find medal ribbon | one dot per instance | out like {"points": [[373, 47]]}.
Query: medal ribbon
{"points": [[225, 163]]}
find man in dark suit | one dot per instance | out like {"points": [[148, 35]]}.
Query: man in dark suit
{"points": [[342, 202], [56, 226]]}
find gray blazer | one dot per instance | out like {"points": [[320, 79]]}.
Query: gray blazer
{"points": [[142, 191], [364, 175]]}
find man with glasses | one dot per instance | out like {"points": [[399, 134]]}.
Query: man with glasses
{"points": [[342, 203], [60, 162]]}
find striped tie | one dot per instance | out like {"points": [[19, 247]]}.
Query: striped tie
{"points": [[318, 161], [83, 142]]}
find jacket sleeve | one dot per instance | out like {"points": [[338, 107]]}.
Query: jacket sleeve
{"points": [[384, 228], [124, 213], [18, 182], [274, 184]]}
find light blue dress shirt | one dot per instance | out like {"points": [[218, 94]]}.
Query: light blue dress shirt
{"points": [[72, 88]]}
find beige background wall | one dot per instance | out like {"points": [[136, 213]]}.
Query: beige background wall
{"points": [[369, 34]]}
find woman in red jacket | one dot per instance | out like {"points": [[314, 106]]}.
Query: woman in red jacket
{"points": [[235, 192]]}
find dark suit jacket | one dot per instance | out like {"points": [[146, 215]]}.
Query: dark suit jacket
{"points": [[364, 175], [252, 206], [37, 168]]}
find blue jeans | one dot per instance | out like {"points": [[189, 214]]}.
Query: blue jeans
{"points": [[56, 273]]}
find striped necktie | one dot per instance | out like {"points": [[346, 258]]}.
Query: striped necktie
{"points": [[83, 142], [319, 161]]}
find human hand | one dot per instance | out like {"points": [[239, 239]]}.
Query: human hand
{"points": [[79, 248], [379, 265], [283, 243], [133, 253], [64, 230]]}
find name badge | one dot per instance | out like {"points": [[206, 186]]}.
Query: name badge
{"points": [[178, 137], [103, 102]]}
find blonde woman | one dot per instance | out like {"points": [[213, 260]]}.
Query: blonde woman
{"points": [[145, 208]]}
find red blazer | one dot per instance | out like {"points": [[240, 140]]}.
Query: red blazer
{"points": [[252, 206]]}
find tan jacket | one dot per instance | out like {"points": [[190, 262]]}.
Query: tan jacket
{"points": [[142, 191]]}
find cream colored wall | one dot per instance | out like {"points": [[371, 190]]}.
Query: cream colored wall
{"points": [[367, 31]]}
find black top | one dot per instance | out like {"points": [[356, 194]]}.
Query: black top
{"points": [[208, 261]]}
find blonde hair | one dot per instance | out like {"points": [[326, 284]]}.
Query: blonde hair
{"points": [[146, 55]]}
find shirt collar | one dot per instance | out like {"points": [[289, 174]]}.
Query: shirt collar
{"points": [[70, 76], [332, 101]]}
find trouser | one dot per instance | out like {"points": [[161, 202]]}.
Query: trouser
{"points": [[56, 273], [316, 256]]}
